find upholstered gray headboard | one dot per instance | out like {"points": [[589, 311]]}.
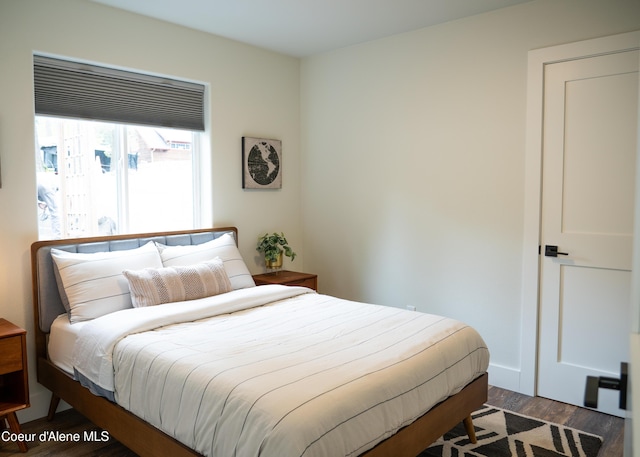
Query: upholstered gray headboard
{"points": [[47, 301]]}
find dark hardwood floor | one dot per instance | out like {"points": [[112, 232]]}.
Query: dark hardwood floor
{"points": [[69, 422], [610, 428]]}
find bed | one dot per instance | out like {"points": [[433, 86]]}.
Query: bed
{"points": [[240, 369]]}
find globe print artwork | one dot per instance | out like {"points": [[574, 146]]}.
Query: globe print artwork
{"points": [[262, 163]]}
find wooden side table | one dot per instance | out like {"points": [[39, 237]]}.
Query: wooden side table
{"points": [[14, 385], [288, 278]]}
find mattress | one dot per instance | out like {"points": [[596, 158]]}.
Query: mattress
{"points": [[277, 371]]}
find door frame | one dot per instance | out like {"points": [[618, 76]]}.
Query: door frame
{"points": [[537, 60]]}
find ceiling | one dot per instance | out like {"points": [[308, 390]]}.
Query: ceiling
{"points": [[302, 28]]}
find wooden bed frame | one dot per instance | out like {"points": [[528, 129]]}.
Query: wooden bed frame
{"points": [[146, 440]]}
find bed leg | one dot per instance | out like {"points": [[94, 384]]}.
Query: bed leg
{"points": [[471, 431], [53, 405]]}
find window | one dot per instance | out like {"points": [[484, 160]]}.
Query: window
{"points": [[117, 152], [98, 178]]}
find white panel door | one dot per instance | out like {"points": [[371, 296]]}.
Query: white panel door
{"points": [[589, 151]]}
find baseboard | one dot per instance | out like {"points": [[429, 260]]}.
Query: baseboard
{"points": [[504, 377]]}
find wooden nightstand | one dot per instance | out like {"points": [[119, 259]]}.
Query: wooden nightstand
{"points": [[14, 385], [288, 278]]}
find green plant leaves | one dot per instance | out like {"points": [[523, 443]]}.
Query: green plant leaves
{"points": [[273, 245]]}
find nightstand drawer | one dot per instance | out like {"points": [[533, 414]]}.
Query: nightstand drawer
{"points": [[11, 350], [311, 283], [288, 278]]}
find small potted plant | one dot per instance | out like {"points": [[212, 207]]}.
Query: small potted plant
{"points": [[274, 246]]}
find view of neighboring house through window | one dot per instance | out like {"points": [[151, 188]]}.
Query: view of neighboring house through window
{"points": [[96, 178], [117, 150]]}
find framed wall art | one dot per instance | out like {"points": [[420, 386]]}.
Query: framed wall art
{"points": [[261, 163]]}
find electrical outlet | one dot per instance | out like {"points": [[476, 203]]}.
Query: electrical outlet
{"points": [[411, 308]]}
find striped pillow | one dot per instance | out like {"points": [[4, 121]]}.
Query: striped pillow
{"points": [[154, 286], [223, 247], [94, 283]]}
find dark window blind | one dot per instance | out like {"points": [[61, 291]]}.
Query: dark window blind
{"points": [[77, 90]]}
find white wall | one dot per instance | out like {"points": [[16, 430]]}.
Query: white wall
{"points": [[413, 164], [251, 92]]}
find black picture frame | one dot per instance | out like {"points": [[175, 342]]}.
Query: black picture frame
{"points": [[261, 163]]}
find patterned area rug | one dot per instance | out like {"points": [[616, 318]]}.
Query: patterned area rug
{"points": [[502, 433]]}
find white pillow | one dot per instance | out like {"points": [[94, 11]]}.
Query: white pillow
{"points": [[223, 247], [154, 286], [94, 282]]}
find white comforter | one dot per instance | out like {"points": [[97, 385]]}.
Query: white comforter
{"points": [[307, 375]]}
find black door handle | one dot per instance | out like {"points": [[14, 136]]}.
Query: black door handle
{"points": [[552, 251]]}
